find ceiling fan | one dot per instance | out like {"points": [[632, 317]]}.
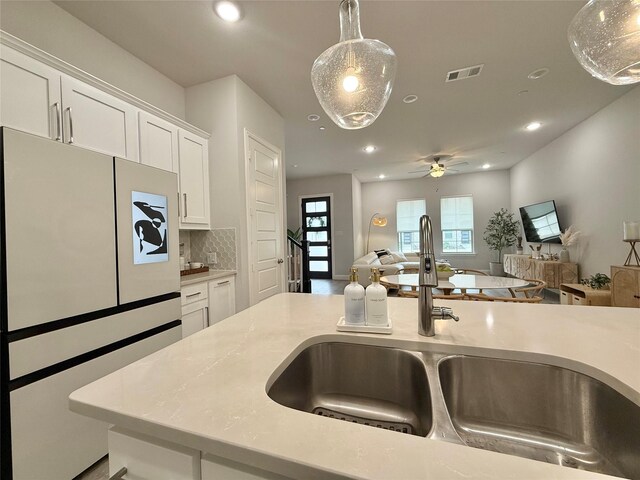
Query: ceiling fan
{"points": [[438, 168]]}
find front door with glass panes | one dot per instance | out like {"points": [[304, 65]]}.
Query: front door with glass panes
{"points": [[316, 225]]}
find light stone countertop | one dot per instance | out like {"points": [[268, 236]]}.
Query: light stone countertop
{"points": [[208, 391], [204, 277]]}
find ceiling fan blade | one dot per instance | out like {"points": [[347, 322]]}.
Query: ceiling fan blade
{"points": [[419, 171], [459, 163]]}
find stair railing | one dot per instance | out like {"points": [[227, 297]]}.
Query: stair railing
{"points": [[298, 266]]}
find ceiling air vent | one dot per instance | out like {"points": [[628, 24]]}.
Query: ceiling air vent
{"points": [[463, 73]]}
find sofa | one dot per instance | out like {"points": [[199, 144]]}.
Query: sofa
{"points": [[372, 259]]}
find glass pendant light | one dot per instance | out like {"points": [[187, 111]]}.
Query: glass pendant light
{"points": [[353, 79], [605, 38]]}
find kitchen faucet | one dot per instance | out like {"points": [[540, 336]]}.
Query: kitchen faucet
{"points": [[428, 278]]}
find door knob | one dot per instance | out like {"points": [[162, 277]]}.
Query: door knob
{"points": [[280, 260]]}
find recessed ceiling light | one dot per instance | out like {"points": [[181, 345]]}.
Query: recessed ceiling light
{"points": [[369, 149], [227, 11], [533, 126], [313, 117], [322, 127], [486, 165], [295, 166], [410, 98], [381, 176], [539, 73]]}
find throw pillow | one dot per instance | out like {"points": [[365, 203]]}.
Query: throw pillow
{"points": [[382, 252], [399, 256], [387, 260]]}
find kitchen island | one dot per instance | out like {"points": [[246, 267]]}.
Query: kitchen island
{"points": [[208, 392]]}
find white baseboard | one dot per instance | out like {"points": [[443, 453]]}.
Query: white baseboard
{"points": [[341, 277]]}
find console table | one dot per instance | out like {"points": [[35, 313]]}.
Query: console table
{"points": [[552, 272], [625, 286]]}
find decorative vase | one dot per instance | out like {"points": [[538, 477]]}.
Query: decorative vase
{"points": [[564, 255], [496, 269]]}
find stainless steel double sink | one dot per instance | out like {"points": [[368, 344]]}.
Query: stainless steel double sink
{"points": [[531, 410]]}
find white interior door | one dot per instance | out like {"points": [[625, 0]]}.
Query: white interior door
{"points": [[264, 199]]}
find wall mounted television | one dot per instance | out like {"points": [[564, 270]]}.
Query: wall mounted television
{"points": [[540, 222]]}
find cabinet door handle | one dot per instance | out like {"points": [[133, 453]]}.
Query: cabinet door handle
{"points": [[70, 125], [223, 283], [119, 474], [58, 122], [280, 261], [636, 296], [185, 205], [193, 294], [208, 323], [178, 194]]}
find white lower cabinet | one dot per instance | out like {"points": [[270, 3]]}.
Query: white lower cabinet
{"points": [[147, 458], [195, 308], [222, 298], [217, 468], [194, 318]]}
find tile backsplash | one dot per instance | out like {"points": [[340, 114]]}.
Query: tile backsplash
{"points": [[185, 244], [218, 240]]}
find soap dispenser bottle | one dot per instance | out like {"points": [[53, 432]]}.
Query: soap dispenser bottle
{"points": [[354, 301], [376, 300]]}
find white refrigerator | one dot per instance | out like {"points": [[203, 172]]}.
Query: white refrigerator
{"points": [[89, 270]]}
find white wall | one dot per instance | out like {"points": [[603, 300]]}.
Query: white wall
{"points": [[358, 239], [593, 174], [48, 27], [225, 107], [343, 214], [490, 191]]}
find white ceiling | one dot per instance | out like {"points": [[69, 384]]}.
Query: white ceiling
{"points": [[479, 120]]}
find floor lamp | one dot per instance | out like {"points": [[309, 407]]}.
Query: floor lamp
{"points": [[378, 222]]}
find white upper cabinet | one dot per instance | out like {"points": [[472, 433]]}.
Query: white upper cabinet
{"points": [[98, 121], [194, 180], [158, 142], [29, 95], [42, 95]]}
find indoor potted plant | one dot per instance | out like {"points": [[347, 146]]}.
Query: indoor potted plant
{"points": [[501, 232]]}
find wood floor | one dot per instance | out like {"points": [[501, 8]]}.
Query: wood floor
{"points": [[97, 471]]}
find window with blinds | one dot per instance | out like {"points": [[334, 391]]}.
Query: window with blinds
{"points": [[408, 213], [456, 218]]}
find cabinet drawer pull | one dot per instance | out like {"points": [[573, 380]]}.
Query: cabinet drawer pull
{"points": [[119, 474], [58, 122], [223, 283], [193, 294], [70, 125], [636, 296]]}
